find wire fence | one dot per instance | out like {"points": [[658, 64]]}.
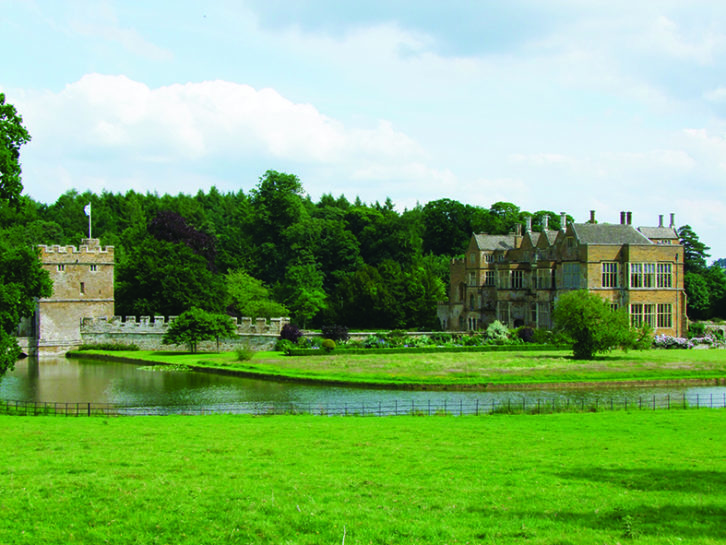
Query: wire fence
{"points": [[460, 407]]}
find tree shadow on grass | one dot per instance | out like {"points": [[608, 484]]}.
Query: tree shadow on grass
{"points": [[655, 479], [681, 521], [685, 521]]}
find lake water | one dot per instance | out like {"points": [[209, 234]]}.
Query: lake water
{"points": [[67, 380]]}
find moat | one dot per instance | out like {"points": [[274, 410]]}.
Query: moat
{"points": [[70, 380]]}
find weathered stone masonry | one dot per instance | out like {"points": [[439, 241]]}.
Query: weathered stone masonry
{"points": [[517, 278], [147, 333]]}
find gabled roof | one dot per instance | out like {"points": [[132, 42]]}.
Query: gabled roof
{"points": [[529, 240], [659, 232], [549, 236], [494, 242], [608, 233]]}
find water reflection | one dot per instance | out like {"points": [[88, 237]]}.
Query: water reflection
{"points": [[72, 381]]}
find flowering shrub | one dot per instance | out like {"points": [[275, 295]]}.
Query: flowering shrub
{"points": [[666, 341]]}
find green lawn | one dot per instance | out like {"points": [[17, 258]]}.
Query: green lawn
{"points": [[597, 478], [464, 369]]}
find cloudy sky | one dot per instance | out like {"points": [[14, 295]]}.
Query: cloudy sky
{"points": [[564, 105]]}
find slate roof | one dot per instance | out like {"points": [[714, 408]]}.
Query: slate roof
{"points": [[494, 242], [608, 233], [551, 235], [659, 232]]}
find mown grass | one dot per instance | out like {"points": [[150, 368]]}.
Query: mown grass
{"points": [[463, 370], [644, 477]]}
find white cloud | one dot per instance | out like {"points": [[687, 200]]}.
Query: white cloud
{"points": [[666, 36], [194, 121]]}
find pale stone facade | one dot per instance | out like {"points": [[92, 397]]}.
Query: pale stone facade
{"points": [[517, 278], [82, 287]]}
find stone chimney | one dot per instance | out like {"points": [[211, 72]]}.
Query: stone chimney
{"points": [[546, 222], [563, 220], [592, 216], [660, 220], [517, 235], [629, 215], [673, 220], [528, 226], [622, 218]]}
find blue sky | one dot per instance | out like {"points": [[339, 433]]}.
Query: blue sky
{"points": [[559, 105]]}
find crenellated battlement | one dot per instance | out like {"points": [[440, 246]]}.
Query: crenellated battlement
{"points": [[159, 324], [65, 251]]}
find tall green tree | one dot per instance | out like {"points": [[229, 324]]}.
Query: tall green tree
{"points": [[248, 296], [695, 252], [195, 325], [22, 279], [12, 136], [168, 268], [591, 323]]}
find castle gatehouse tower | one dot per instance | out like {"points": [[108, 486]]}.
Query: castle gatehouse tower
{"points": [[82, 287]]}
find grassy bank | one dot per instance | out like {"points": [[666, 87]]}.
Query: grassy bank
{"points": [[457, 370], [650, 478]]}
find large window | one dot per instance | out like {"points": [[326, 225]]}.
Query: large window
{"points": [[648, 275], [503, 312], [664, 275], [609, 275], [543, 315], [649, 314], [517, 280], [489, 278], [503, 280], [472, 279], [636, 314], [571, 275], [488, 258], [665, 315], [636, 275], [544, 279]]}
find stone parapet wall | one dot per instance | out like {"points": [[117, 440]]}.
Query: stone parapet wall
{"points": [[147, 333]]}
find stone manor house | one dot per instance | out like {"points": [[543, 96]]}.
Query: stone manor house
{"points": [[517, 278]]}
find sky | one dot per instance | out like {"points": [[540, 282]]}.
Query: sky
{"points": [[564, 105]]}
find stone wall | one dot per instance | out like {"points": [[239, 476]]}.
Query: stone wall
{"points": [[147, 332]]}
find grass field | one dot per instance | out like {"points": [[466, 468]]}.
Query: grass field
{"points": [[601, 478], [464, 369]]}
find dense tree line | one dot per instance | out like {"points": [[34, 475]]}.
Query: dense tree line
{"points": [[272, 250], [705, 285]]}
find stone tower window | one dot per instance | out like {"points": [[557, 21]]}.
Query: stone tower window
{"points": [[61, 268], [83, 288], [93, 268]]}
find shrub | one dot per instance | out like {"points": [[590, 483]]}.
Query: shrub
{"points": [[291, 333], [666, 341], [441, 338], [526, 334], [592, 324], [108, 346], [283, 345], [472, 340], [542, 336], [245, 353], [328, 345], [374, 341], [497, 332], [696, 329], [338, 333]]}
